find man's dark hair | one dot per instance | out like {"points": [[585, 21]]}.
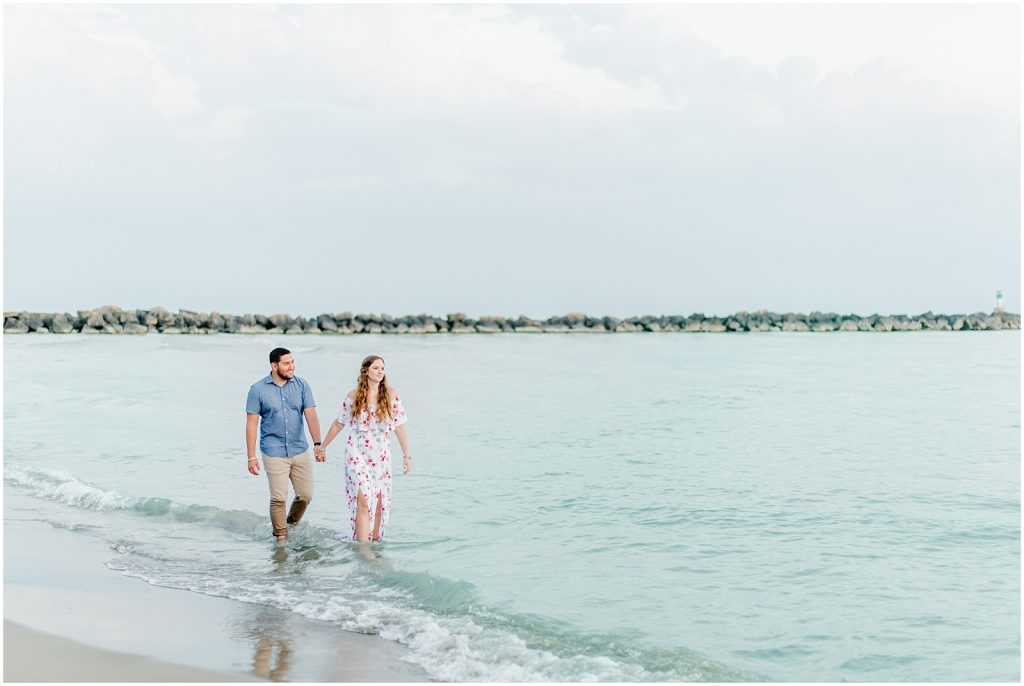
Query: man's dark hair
{"points": [[277, 353]]}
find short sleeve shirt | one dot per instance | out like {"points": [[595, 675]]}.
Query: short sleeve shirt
{"points": [[282, 429]]}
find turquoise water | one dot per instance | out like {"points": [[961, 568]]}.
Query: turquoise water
{"points": [[641, 507]]}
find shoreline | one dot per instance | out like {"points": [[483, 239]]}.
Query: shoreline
{"points": [[69, 618], [37, 656], [110, 319]]}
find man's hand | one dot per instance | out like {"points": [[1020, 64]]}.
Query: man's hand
{"points": [[254, 466], [320, 454]]}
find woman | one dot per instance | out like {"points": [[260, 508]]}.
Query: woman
{"points": [[373, 411]]}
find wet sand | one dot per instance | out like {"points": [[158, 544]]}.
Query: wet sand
{"points": [[67, 617]]}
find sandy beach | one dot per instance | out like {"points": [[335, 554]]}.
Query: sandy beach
{"points": [[34, 656], [67, 617]]}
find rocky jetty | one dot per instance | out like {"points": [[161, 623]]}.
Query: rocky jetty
{"points": [[110, 319]]}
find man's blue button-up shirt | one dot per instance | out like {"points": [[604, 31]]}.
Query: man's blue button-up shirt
{"points": [[282, 430]]}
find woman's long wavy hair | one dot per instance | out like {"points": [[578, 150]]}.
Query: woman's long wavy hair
{"points": [[361, 401]]}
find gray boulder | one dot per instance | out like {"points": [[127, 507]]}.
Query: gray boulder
{"points": [[33, 320], [282, 321], [135, 328], [61, 323], [160, 317]]}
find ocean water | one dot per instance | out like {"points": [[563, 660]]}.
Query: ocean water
{"points": [[630, 507]]}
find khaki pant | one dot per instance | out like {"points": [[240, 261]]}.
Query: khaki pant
{"points": [[279, 470]]}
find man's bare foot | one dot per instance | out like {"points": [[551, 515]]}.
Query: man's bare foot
{"points": [[281, 540]]}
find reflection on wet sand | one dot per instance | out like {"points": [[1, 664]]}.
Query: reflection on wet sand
{"points": [[272, 659], [271, 633]]}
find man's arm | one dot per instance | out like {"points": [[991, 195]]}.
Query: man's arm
{"points": [[252, 422], [314, 431]]}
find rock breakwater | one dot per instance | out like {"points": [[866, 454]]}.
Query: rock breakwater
{"points": [[114, 320]]}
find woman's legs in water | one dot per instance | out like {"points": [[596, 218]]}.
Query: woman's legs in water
{"points": [[363, 518], [377, 518]]}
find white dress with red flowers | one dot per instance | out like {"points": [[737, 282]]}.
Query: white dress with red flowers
{"points": [[368, 460]]}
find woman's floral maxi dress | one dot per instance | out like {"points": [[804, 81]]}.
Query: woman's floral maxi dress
{"points": [[368, 460]]}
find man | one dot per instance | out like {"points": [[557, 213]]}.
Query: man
{"points": [[277, 404]]}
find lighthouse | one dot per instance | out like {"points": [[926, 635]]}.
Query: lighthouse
{"points": [[999, 302]]}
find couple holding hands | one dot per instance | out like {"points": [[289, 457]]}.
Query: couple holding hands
{"points": [[280, 404]]}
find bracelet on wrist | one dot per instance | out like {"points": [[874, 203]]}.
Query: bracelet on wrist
{"points": [[253, 459]]}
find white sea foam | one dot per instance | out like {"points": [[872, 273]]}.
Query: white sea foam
{"points": [[65, 488], [453, 649], [449, 648]]}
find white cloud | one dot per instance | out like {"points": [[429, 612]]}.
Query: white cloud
{"points": [[971, 50], [226, 124], [176, 96], [465, 57], [173, 96]]}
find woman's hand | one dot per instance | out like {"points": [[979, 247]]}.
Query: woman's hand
{"points": [[320, 453], [406, 464]]}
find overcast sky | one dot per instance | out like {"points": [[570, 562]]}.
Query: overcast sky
{"points": [[521, 159]]}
